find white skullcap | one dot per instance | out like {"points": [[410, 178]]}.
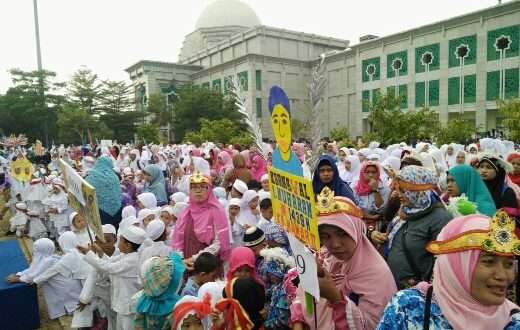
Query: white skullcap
{"points": [[133, 234], [179, 197], [128, 211], [234, 202], [155, 229], [148, 200], [264, 195], [264, 177], [178, 208], [131, 220], [33, 213], [249, 195], [240, 186], [127, 171], [168, 209], [108, 229], [21, 206], [144, 213]]}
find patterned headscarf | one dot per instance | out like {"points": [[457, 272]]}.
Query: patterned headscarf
{"points": [[417, 200], [275, 233], [161, 277]]}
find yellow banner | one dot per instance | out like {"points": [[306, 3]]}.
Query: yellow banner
{"points": [[294, 207], [82, 199]]}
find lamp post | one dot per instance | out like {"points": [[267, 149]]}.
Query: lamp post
{"points": [[40, 71], [461, 52]]}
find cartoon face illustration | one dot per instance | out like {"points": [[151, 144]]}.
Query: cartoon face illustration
{"points": [[281, 122]]}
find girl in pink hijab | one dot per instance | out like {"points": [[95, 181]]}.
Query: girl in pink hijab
{"points": [[224, 162], [355, 281], [203, 225], [258, 167], [469, 283]]}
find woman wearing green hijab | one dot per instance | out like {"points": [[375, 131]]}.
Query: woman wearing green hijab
{"points": [[464, 179]]}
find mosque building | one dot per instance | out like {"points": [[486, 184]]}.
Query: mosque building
{"points": [[458, 66]]}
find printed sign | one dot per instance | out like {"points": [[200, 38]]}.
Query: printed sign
{"points": [[294, 207], [306, 266], [82, 199]]}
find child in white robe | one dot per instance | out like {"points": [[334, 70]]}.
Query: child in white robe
{"points": [[156, 232], [57, 208], [123, 270], [37, 229], [78, 225], [19, 220], [96, 289]]}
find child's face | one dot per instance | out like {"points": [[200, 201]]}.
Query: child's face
{"points": [[140, 205], [79, 222], [243, 272], [253, 204], [234, 210], [235, 193], [192, 322], [124, 245], [109, 246], [148, 219], [208, 277], [267, 213], [166, 218], [265, 185]]}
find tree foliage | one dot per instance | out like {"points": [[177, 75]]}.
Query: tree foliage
{"points": [[148, 133], [161, 114], [458, 130], [510, 110], [219, 131], [114, 97], [75, 126], [389, 124], [339, 134], [195, 103], [84, 89]]}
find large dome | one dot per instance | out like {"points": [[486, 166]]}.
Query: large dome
{"points": [[227, 13]]}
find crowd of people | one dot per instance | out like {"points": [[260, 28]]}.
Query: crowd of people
{"points": [[412, 237]]}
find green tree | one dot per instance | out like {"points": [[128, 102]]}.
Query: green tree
{"points": [[458, 130], [76, 126], [160, 112], [339, 134], [30, 107], [85, 90], [114, 96], [510, 110], [123, 124], [389, 124], [148, 133], [219, 131], [195, 103]]}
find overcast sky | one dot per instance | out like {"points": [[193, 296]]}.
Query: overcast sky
{"points": [[109, 35]]}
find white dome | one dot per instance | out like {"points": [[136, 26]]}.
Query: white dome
{"points": [[227, 13]]}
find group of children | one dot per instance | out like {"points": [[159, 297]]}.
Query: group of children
{"points": [[131, 278]]}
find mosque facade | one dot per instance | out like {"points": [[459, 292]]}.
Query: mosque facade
{"points": [[459, 66]]}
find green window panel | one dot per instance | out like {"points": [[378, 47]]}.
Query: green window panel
{"points": [[430, 54], [227, 84], [493, 86], [403, 96], [258, 107], [465, 47], [376, 94], [242, 79], [371, 68], [433, 93], [205, 85], [512, 33], [258, 78], [511, 83], [397, 60], [365, 100], [390, 91], [453, 90], [216, 85], [470, 88], [419, 94]]}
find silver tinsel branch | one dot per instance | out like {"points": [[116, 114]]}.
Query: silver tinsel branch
{"points": [[250, 120], [316, 89]]}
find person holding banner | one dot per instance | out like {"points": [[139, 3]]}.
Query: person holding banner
{"points": [[355, 281], [108, 191]]}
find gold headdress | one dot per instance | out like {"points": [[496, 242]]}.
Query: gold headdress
{"points": [[500, 239], [328, 204], [198, 177]]}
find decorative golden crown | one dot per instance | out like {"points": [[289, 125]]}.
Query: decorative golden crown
{"points": [[328, 204], [198, 177], [500, 239]]}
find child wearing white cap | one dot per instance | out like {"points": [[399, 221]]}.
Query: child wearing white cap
{"points": [[124, 273], [156, 232], [19, 220], [238, 189]]}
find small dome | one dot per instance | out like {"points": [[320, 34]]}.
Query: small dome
{"points": [[227, 13]]}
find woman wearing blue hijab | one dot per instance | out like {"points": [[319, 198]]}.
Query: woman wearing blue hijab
{"points": [[326, 174], [108, 190], [155, 183]]}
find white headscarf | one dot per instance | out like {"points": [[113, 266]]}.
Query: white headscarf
{"points": [[353, 174], [179, 197], [72, 264], [42, 259], [128, 211], [148, 200], [246, 216]]}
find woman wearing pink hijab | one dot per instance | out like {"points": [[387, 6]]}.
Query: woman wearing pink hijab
{"points": [[203, 225], [474, 267], [224, 162], [355, 282], [258, 167]]}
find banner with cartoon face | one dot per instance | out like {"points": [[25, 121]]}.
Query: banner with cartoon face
{"points": [[22, 169]]}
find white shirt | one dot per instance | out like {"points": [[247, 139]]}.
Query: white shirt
{"points": [[155, 249], [124, 277]]}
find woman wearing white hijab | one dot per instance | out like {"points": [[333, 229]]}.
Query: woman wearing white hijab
{"points": [[349, 172], [43, 258], [249, 213]]}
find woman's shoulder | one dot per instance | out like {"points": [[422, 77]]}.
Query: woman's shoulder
{"points": [[515, 322], [409, 299]]}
